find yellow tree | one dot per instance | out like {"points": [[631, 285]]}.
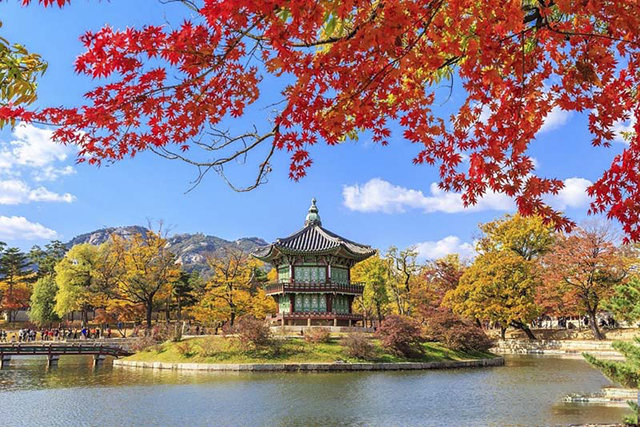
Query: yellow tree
{"points": [[374, 272], [233, 290], [145, 269], [404, 271], [81, 282], [502, 283], [500, 286]]}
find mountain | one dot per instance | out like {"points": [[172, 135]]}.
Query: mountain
{"points": [[191, 249]]}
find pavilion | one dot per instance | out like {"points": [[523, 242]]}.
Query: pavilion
{"points": [[314, 275]]}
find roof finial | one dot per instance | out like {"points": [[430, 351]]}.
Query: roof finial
{"points": [[312, 217]]}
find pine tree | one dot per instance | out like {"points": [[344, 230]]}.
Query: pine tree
{"points": [[626, 373]]}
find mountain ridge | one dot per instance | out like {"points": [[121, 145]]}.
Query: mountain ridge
{"points": [[190, 248]]}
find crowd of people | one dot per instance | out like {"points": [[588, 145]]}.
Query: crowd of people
{"points": [[55, 334]]}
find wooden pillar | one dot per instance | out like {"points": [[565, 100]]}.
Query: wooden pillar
{"points": [[335, 322], [52, 359], [349, 322], [98, 359], [5, 360], [292, 299]]}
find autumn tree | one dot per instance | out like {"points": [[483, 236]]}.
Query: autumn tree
{"points": [[19, 71], [146, 268], [43, 301], [498, 287], [403, 270], [437, 278], [16, 280], [584, 267], [81, 286], [374, 273], [502, 283], [233, 290], [341, 69]]}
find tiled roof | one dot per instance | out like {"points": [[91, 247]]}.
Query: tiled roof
{"points": [[313, 238]]}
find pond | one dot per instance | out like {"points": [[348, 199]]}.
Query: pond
{"points": [[527, 391]]}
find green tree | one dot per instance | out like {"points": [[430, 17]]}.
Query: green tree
{"points": [[19, 70], [16, 281], [626, 373], [403, 273], [47, 258], [625, 302], [43, 301], [374, 273], [81, 285]]}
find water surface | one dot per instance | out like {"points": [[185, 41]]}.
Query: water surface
{"points": [[527, 391]]}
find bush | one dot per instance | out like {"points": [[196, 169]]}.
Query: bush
{"points": [[317, 335], [253, 333], [456, 334], [401, 335], [185, 348], [359, 345], [143, 344]]}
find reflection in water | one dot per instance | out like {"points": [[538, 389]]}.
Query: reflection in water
{"points": [[528, 391]]}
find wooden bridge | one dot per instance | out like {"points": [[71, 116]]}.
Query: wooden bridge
{"points": [[53, 351]]}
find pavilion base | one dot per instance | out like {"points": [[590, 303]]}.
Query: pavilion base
{"points": [[301, 330], [337, 322]]}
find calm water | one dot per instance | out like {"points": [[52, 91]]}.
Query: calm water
{"points": [[528, 391]]}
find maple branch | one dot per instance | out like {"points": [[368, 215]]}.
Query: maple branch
{"points": [[218, 165]]}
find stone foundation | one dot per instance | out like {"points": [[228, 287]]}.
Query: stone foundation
{"points": [[312, 367]]}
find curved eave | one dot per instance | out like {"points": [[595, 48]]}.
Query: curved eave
{"points": [[275, 251]]}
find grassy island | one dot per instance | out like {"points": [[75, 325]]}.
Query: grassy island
{"points": [[291, 350]]}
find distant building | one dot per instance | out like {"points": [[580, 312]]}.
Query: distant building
{"points": [[314, 275]]}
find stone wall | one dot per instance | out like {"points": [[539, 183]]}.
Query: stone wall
{"points": [[312, 367], [556, 347]]}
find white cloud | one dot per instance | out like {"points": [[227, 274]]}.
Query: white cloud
{"points": [[556, 118], [619, 128], [446, 246], [378, 195], [34, 147], [18, 227], [573, 195], [13, 192], [50, 173]]}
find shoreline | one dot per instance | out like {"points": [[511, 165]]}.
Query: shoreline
{"points": [[312, 367]]}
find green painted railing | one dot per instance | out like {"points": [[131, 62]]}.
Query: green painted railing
{"points": [[305, 287]]}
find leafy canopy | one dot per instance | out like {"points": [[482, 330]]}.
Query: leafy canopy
{"points": [[338, 69]]}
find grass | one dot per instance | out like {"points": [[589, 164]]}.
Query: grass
{"points": [[292, 350]]}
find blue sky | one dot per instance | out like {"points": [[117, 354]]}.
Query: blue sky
{"points": [[368, 193]]}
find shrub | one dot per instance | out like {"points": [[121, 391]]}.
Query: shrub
{"points": [[208, 347], [143, 344], [253, 333], [317, 335], [455, 333], [401, 335], [185, 348], [358, 345]]}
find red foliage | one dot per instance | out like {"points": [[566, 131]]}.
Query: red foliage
{"points": [[252, 332], [455, 333], [402, 335], [350, 67], [359, 345]]}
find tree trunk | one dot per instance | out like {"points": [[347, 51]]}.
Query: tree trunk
{"points": [[594, 325], [149, 307], [503, 332], [525, 328]]}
